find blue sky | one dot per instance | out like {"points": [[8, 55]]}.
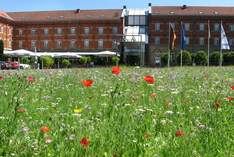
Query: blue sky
{"points": [[32, 5]]}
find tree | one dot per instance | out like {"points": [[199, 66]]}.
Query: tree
{"points": [[115, 60], [214, 58], [200, 58], [186, 58], [66, 63], [47, 61], [25, 60]]}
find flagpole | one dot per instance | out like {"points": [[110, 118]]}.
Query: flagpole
{"points": [[220, 59], [181, 49], [169, 51], [208, 42]]}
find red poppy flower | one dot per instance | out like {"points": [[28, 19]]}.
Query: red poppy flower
{"points": [[84, 142], [87, 83], [21, 110], [149, 79], [229, 98], [44, 129], [30, 79], [232, 87], [116, 70], [179, 133], [1, 78]]}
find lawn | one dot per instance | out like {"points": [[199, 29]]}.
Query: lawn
{"points": [[177, 112]]}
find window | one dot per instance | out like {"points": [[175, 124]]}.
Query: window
{"points": [[59, 31], [130, 20], [72, 43], [20, 32], [187, 26], [46, 43], [33, 31], [216, 27], [33, 44], [46, 31], [100, 43], [201, 41], [187, 40], [73, 30], [142, 30], [100, 30], [157, 40], [216, 41], [202, 27], [142, 20], [231, 27], [86, 43], [157, 27], [137, 20], [231, 42], [114, 30], [20, 44], [86, 30], [58, 43]]}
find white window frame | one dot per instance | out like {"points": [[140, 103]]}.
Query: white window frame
{"points": [[72, 44], [157, 27], [33, 31], [59, 31], [100, 43], [46, 44], [86, 30], [72, 30], [100, 30], [20, 32], [33, 44], [187, 27], [201, 27], [86, 43], [46, 31], [187, 40], [114, 30], [58, 44], [157, 40], [201, 41], [216, 27], [20, 44]]}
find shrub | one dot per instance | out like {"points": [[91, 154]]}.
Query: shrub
{"points": [[200, 58], [228, 58], [25, 60], [186, 58], [115, 60], [83, 60], [47, 61], [66, 63], [164, 59], [214, 58]]}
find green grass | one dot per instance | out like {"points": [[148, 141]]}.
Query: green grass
{"points": [[118, 115]]}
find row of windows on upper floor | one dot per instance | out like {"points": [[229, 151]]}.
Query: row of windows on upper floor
{"points": [[202, 28], [59, 31], [216, 41], [59, 43]]}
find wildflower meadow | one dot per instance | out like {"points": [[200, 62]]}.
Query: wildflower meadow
{"points": [[118, 112]]}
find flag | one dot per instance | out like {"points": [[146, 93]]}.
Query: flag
{"points": [[224, 40], [172, 37], [183, 40]]}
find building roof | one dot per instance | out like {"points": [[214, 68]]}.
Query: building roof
{"points": [[66, 15], [5, 16], [193, 10]]}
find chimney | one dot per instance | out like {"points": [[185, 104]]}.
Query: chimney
{"points": [[77, 11], [184, 7], [124, 7], [150, 4]]}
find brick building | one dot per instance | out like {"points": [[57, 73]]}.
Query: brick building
{"points": [[6, 28], [140, 35]]}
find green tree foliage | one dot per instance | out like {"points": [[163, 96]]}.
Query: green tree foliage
{"points": [[200, 58], [186, 58], [47, 61]]}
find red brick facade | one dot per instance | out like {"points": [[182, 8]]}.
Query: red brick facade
{"points": [[6, 31]]}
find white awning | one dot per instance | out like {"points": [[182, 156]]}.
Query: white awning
{"points": [[18, 53]]}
